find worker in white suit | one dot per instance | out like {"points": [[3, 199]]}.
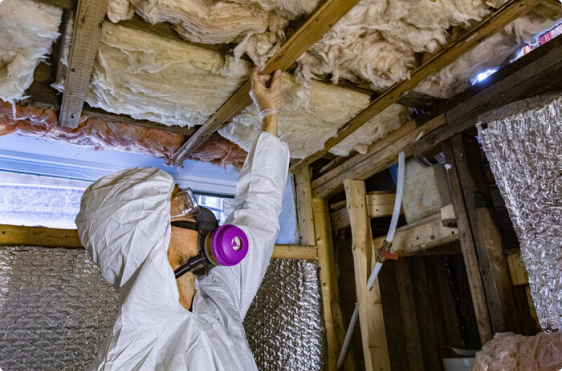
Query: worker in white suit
{"points": [[125, 223]]}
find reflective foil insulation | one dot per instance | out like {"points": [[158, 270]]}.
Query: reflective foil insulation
{"points": [[523, 142], [56, 308]]}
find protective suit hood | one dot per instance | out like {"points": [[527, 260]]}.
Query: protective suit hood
{"points": [[125, 216]]}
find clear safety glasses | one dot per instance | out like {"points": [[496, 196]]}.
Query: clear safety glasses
{"points": [[184, 203]]}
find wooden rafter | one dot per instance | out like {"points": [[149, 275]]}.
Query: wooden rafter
{"points": [[532, 74], [314, 28], [499, 19], [83, 49]]}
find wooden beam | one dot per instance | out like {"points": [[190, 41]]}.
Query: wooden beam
{"points": [[83, 50], [530, 75], [378, 205], [495, 22], [328, 281], [294, 252], [13, 235], [422, 235], [313, 29], [305, 216], [487, 238], [379, 157], [468, 250], [64, 4], [371, 319]]}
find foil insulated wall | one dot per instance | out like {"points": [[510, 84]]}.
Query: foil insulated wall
{"points": [[523, 142], [55, 310]]}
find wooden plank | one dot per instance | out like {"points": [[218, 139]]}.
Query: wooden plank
{"points": [[305, 217], [378, 205], [312, 30], [495, 22], [377, 161], [371, 318], [409, 316], [83, 49], [448, 217], [13, 235], [468, 250], [535, 73], [517, 269], [487, 238], [422, 235], [294, 252], [328, 282]]}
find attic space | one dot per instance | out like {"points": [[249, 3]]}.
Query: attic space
{"points": [[416, 224]]}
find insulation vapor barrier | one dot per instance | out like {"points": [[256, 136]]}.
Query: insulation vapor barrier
{"points": [[55, 310], [523, 142]]}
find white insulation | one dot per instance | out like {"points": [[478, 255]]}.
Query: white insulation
{"points": [[175, 83], [27, 31]]}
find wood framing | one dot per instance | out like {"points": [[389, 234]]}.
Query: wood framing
{"points": [[13, 235], [468, 250], [378, 205], [328, 281], [380, 156], [495, 22], [487, 238], [373, 334], [314, 28], [83, 50], [517, 269], [303, 198], [420, 236]]}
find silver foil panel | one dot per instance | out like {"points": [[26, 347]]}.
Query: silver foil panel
{"points": [[56, 308], [523, 142]]}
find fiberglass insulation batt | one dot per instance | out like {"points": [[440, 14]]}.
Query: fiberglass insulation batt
{"points": [[149, 77], [27, 30]]}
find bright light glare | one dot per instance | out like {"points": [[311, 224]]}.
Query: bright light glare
{"points": [[483, 76]]}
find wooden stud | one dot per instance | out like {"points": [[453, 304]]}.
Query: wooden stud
{"points": [[371, 319], [468, 250], [415, 238], [448, 217], [497, 21], [305, 217], [294, 252], [314, 28], [328, 282], [85, 39], [378, 205]]}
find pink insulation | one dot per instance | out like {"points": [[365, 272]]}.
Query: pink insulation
{"points": [[100, 134], [508, 351]]}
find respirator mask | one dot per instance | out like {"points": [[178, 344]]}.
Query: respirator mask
{"points": [[226, 245]]}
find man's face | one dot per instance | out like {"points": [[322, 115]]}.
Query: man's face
{"points": [[183, 245]]}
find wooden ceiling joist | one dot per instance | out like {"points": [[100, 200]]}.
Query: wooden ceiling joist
{"points": [[495, 22], [313, 29], [535, 73]]}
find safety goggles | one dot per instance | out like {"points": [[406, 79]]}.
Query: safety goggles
{"points": [[184, 203]]}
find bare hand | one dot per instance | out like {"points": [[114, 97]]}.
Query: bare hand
{"points": [[266, 91]]}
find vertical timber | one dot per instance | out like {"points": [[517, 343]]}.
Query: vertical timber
{"points": [[373, 334]]}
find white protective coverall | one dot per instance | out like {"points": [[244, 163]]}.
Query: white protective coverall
{"points": [[124, 223]]}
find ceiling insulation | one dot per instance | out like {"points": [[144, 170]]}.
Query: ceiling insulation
{"points": [[27, 30], [99, 134], [146, 76]]}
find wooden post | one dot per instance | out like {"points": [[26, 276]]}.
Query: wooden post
{"points": [[371, 319], [328, 282], [468, 250], [487, 238], [304, 207]]}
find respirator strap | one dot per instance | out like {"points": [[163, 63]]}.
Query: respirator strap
{"points": [[186, 225]]}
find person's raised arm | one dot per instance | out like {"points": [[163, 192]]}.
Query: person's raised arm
{"points": [[266, 94]]}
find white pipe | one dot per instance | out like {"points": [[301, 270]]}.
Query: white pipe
{"points": [[348, 334], [378, 265]]}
